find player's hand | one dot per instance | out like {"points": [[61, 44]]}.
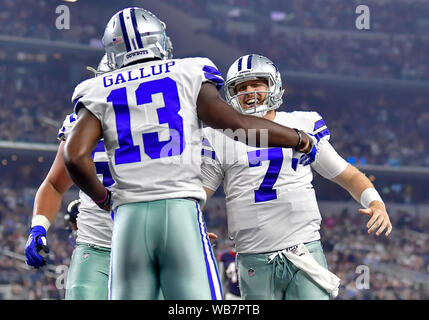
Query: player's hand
{"points": [[36, 244], [299, 157], [106, 203], [72, 213], [212, 235], [378, 218]]}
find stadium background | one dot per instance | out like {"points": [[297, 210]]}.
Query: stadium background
{"points": [[371, 86]]}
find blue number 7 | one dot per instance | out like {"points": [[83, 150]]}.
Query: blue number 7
{"points": [[265, 192]]}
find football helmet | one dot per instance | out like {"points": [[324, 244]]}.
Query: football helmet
{"points": [[134, 34], [169, 49], [103, 67], [253, 67]]}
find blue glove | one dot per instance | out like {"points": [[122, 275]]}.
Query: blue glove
{"points": [[305, 158], [36, 242]]}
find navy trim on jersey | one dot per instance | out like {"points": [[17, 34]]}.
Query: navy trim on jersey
{"points": [[208, 154], [215, 79], [323, 133], [78, 107], [212, 70], [206, 142], [319, 124]]}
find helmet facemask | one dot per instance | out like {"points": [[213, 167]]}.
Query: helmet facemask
{"points": [[271, 102]]}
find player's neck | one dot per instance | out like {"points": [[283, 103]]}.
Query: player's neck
{"points": [[270, 115], [143, 61]]}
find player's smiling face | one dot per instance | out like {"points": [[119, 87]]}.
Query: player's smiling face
{"points": [[246, 92]]}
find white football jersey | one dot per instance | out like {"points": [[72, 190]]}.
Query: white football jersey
{"points": [[94, 224], [270, 206], [150, 126]]}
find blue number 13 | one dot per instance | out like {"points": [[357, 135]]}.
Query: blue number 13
{"points": [[127, 151]]}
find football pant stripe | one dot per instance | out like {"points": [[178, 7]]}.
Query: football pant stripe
{"points": [[212, 273]]}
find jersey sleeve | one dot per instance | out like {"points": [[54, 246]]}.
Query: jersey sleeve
{"points": [[84, 96], [329, 163], [67, 126], [320, 129], [210, 73], [211, 168]]}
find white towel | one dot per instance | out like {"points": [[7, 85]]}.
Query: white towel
{"points": [[302, 259]]}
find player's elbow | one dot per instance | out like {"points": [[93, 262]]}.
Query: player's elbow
{"points": [[73, 156]]}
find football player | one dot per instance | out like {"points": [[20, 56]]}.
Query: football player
{"points": [[272, 211], [89, 267], [148, 111]]}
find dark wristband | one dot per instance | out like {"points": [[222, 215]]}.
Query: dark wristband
{"points": [[298, 145], [105, 201]]}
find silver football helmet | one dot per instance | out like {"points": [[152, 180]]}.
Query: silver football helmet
{"points": [[103, 67], [253, 67], [133, 34]]}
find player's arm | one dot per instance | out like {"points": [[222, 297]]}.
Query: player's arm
{"points": [[216, 113], [332, 166], [46, 206], [363, 191], [77, 157], [50, 193], [209, 193]]}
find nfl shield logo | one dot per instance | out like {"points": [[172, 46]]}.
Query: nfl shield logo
{"points": [[251, 272]]}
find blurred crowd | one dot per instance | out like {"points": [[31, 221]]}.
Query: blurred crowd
{"points": [[33, 107], [398, 265], [15, 216], [342, 55], [37, 19], [346, 54], [386, 15]]}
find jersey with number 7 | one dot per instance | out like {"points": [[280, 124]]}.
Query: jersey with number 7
{"points": [[270, 205]]}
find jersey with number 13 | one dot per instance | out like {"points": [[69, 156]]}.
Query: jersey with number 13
{"points": [[150, 126]]}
